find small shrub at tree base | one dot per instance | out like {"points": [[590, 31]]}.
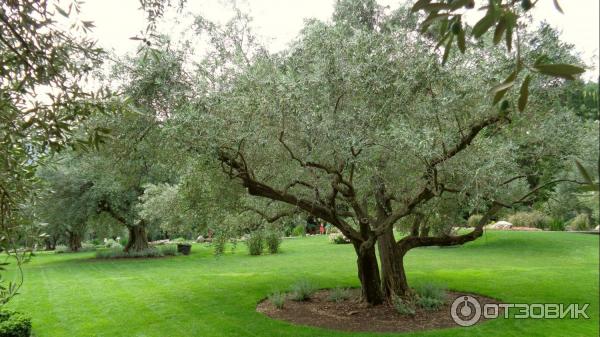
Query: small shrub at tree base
{"points": [[116, 253], [429, 303], [168, 250], [430, 296], [338, 295], [277, 299], [403, 307], [255, 243], [474, 220], [14, 324], [302, 290], [299, 230], [273, 240]]}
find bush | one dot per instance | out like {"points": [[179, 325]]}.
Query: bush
{"points": [[338, 294], [219, 241], [533, 219], [580, 223], [556, 225], [302, 290], [430, 296], [278, 299], [403, 307], [273, 241], [110, 243], [179, 240], [59, 249], [96, 242], [474, 220], [299, 230], [87, 247], [338, 238], [115, 253], [14, 324], [255, 243], [168, 250]]}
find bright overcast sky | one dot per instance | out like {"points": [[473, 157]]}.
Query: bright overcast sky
{"points": [[278, 21]]}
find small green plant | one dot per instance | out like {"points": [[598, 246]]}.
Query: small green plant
{"points": [[299, 230], [14, 324], [474, 220], [403, 306], [430, 296], [219, 242], [273, 240], [278, 299], [556, 225], [302, 290], [59, 249], [255, 243], [429, 303], [338, 294]]}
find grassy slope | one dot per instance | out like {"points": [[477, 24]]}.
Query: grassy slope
{"points": [[199, 295]]}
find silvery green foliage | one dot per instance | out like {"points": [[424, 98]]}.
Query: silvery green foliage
{"points": [[376, 99]]}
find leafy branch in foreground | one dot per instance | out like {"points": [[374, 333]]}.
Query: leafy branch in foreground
{"points": [[504, 20]]}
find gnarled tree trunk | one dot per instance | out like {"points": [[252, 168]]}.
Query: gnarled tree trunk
{"points": [[392, 266], [74, 241], [368, 274], [138, 239]]}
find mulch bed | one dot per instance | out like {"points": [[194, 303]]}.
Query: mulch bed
{"points": [[353, 315]]}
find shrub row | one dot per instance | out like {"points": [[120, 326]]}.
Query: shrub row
{"points": [[115, 253]]}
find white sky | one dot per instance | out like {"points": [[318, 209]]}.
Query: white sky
{"points": [[279, 21]]}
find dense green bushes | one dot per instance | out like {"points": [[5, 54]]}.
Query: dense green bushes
{"points": [[255, 243], [533, 219], [580, 223], [257, 240], [14, 324], [299, 230], [273, 240]]}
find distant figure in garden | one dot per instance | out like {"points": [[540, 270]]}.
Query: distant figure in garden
{"points": [[322, 229]]}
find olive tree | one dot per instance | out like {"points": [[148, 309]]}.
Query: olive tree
{"points": [[359, 125]]}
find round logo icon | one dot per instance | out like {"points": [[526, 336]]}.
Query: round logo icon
{"points": [[465, 311]]}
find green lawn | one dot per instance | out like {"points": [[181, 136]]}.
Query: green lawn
{"points": [[200, 295]]}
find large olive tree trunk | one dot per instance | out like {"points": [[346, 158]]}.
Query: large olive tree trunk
{"points": [[74, 241], [138, 239], [368, 274], [391, 256]]}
